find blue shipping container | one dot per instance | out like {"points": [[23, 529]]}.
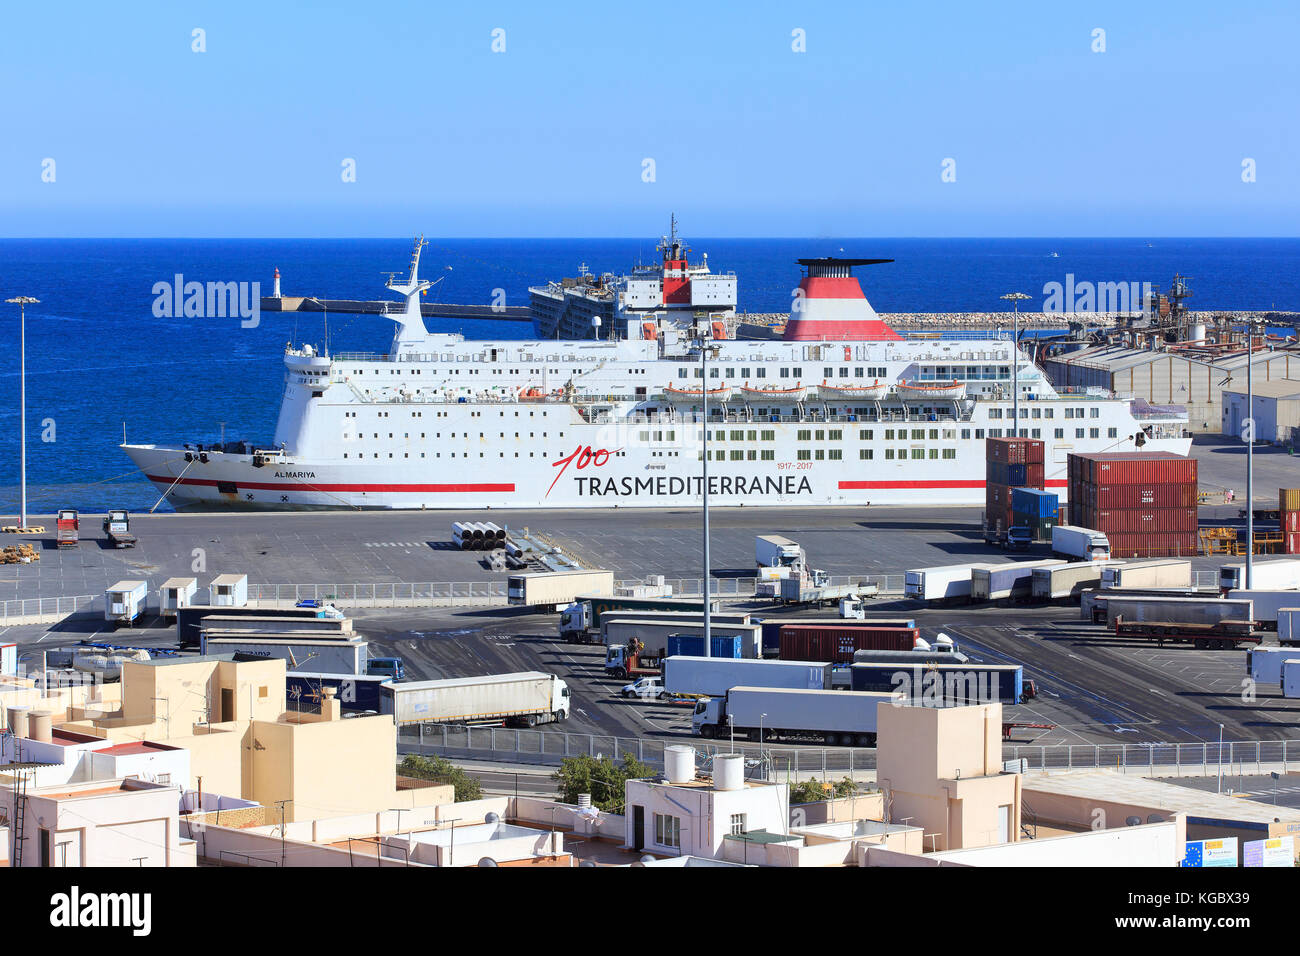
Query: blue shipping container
{"points": [[999, 473], [1034, 501], [692, 645]]}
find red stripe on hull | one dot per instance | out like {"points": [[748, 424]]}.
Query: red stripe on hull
{"points": [[297, 486], [921, 484]]}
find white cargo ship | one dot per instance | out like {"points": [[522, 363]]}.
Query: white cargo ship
{"points": [[841, 410]]}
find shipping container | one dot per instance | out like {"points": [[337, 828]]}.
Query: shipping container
{"points": [[947, 583], [271, 622], [1282, 574], [1014, 450], [772, 627], [837, 643], [1007, 581], [1134, 467], [1120, 497], [1148, 574], [728, 646], [942, 685], [1167, 544], [712, 677], [1289, 499], [176, 593], [124, 602], [1034, 501], [228, 590], [1176, 610], [1143, 521], [654, 630]]}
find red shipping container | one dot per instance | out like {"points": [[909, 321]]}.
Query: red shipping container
{"points": [[837, 644], [1014, 451], [1290, 521], [1140, 496], [1139, 521], [1292, 542], [1137, 467], [1155, 545]]}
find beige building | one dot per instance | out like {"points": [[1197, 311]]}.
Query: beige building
{"points": [[1170, 377], [1276, 408], [941, 770]]}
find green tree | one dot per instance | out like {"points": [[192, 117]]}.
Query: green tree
{"points": [[601, 777], [443, 771]]}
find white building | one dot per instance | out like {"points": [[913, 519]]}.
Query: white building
{"points": [[685, 815], [1276, 407]]}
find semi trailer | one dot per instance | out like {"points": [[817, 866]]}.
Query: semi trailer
{"points": [[713, 677], [580, 621], [1220, 634], [836, 717], [523, 699]]}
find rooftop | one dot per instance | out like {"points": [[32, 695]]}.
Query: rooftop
{"points": [[1123, 788], [1277, 388], [137, 747]]}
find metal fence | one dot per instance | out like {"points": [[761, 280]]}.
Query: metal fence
{"points": [[782, 762], [434, 593], [23, 608]]}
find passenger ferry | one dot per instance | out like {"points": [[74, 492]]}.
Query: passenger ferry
{"points": [[839, 411]]}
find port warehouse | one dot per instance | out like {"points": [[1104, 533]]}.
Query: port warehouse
{"points": [[1172, 377]]}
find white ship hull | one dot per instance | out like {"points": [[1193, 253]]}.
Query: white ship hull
{"points": [[441, 423]]}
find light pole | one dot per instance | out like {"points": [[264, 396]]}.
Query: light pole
{"points": [[1250, 455], [761, 766], [1015, 298], [704, 339], [1220, 789], [22, 301]]}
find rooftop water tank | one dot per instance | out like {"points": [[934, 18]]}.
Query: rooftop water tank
{"points": [[679, 763], [729, 772]]}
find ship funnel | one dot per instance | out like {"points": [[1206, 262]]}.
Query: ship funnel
{"points": [[829, 305]]}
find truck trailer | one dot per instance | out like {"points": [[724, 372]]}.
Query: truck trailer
{"points": [[124, 602], [190, 618], [556, 589], [1079, 544], [1288, 625], [654, 630], [1178, 610], [1267, 605], [1264, 664], [836, 717], [1007, 582], [836, 643], [1064, 581], [711, 677], [947, 583], [523, 699], [302, 651], [1282, 574], [1148, 574], [580, 621], [774, 551], [1219, 634], [772, 627]]}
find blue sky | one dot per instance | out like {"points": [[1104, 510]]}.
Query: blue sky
{"points": [[748, 137]]}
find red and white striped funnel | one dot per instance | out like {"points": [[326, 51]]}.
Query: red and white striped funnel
{"points": [[830, 306]]}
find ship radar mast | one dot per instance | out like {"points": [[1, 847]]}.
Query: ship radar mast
{"points": [[410, 322]]}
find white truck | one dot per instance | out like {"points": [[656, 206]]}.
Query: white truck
{"points": [[1279, 575], [1082, 544], [524, 699], [124, 602], [1268, 604], [714, 676], [837, 717], [1264, 664], [774, 551], [947, 583], [1148, 574], [557, 589], [1065, 580]]}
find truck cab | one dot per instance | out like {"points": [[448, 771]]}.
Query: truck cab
{"points": [[390, 667], [576, 623], [707, 716], [623, 661], [852, 609], [1018, 538]]}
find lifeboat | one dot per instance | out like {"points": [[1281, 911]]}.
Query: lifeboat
{"points": [[533, 394], [773, 393], [869, 393], [720, 394], [942, 390]]}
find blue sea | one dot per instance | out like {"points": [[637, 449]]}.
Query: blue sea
{"points": [[99, 361]]}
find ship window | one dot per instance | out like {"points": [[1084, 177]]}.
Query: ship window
{"points": [[767, 454], [737, 455], [918, 454], [769, 435], [713, 373], [751, 455], [1078, 433], [979, 433], [1094, 432], [821, 435], [1035, 433], [805, 434], [1060, 433], [844, 372], [744, 373], [950, 453], [1049, 413], [934, 453], [889, 454], [918, 434], [1094, 412], [866, 434], [858, 372], [828, 372], [1112, 433], [785, 373], [762, 373], [889, 434], [803, 454], [965, 433], [835, 454], [934, 434]]}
